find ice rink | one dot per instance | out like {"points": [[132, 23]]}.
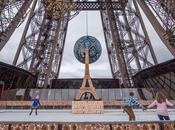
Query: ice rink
{"points": [[66, 116]]}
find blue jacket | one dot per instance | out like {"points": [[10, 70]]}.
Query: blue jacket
{"points": [[130, 101], [35, 103]]}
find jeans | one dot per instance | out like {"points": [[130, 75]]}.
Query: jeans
{"points": [[163, 117], [32, 110]]}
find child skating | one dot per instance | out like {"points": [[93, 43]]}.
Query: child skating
{"points": [[128, 106], [35, 105]]}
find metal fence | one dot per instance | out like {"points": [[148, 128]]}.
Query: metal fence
{"points": [[70, 94]]}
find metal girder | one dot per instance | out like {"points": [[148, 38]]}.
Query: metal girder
{"points": [[117, 45], [8, 10], [137, 49], [48, 51], [99, 5], [108, 41], [29, 40], [40, 47], [22, 41], [165, 32], [57, 9], [2, 5], [168, 6], [127, 28], [164, 11], [147, 39], [43, 39], [42, 44], [6, 34]]}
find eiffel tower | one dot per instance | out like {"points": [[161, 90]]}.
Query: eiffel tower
{"points": [[129, 48]]}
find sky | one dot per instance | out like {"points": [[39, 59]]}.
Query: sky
{"points": [[77, 29], [71, 67]]}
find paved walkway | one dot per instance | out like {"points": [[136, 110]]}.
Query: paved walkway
{"points": [[67, 116]]}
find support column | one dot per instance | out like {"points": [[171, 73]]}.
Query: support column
{"points": [[118, 48], [14, 23], [157, 26], [134, 51], [55, 42], [22, 41], [145, 33]]}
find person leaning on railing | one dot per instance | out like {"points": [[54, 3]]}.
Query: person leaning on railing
{"points": [[161, 102]]}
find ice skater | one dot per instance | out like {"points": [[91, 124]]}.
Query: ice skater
{"points": [[161, 102], [129, 102], [35, 105]]}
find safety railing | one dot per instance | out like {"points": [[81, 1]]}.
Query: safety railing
{"points": [[64, 103]]}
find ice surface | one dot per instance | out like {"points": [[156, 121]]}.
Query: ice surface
{"points": [[67, 116]]}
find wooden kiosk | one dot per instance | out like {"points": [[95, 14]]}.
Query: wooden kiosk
{"points": [[87, 101]]}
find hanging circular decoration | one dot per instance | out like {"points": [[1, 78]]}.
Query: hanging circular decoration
{"points": [[93, 46]]}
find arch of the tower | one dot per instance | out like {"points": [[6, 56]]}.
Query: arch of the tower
{"points": [[128, 44]]}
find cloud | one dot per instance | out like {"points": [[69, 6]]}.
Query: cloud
{"points": [[77, 27]]}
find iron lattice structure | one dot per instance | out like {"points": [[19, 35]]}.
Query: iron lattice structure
{"points": [[158, 77], [162, 16], [129, 48]]}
